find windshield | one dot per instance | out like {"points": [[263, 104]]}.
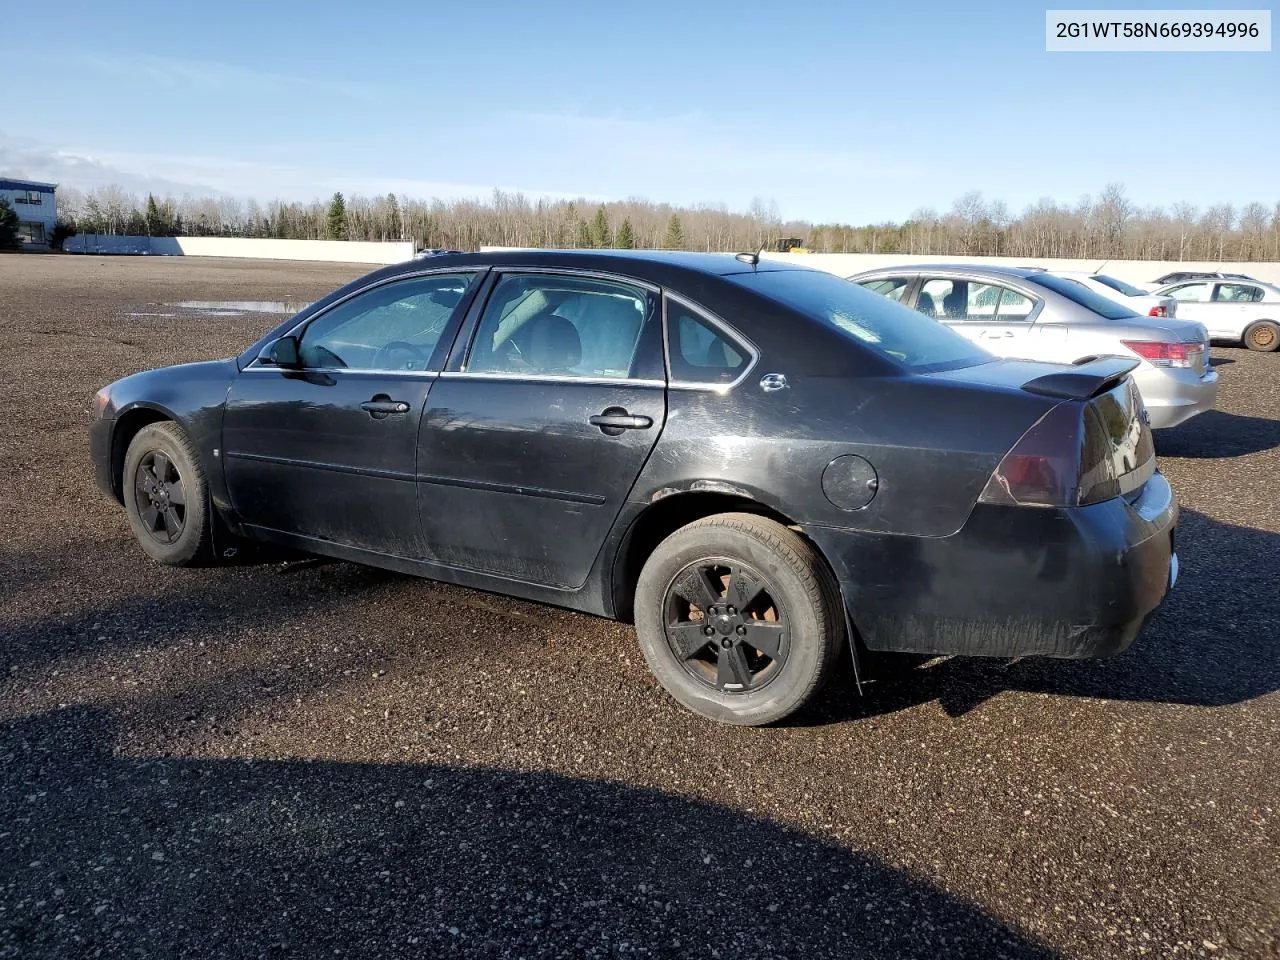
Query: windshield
{"points": [[1128, 289], [1082, 295], [876, 322]]}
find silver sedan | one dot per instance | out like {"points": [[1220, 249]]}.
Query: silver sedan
{"points": [[1031, 314]]}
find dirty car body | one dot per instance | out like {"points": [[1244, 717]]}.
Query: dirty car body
{"points": [[550, 419]]}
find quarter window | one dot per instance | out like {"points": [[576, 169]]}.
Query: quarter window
{"points": [[700, 351], [396, 326], [1190, 293], [1238, 293], [559, 326], [891, 287]]}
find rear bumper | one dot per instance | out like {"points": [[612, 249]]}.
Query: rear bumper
{"points": [[1014, 581], [1175, 396]]}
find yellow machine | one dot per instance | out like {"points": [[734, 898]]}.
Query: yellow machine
{"points": [[789, 245]]}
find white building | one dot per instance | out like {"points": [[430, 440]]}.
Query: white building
{"points": [[34, 203]]}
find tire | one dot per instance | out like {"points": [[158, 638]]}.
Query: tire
{"points": [[166, 496], [1263, 336], [796, 615]]}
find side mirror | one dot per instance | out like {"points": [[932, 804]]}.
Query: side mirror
{"points": [[282, 353]]}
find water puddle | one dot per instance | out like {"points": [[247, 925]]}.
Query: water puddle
{"points": [[234, 308]]}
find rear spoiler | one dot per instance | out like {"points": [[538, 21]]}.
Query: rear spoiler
{"points": [[1084, 379]]}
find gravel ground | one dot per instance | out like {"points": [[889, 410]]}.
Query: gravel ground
{"points": [[319, 759]]}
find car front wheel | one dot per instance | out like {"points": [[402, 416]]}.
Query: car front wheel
{"points": [[738, 618], [166, 497]]}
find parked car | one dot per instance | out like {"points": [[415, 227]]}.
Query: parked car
{"points": [[427, 252], [756, 462], [1238, 311], [1178, 276], [1032, 314], [1126, 294]]}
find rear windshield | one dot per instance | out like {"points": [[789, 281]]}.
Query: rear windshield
{"points": [[892, 330], [1083, 296], [1128, 289]]}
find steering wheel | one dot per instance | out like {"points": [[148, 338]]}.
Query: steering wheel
{"points": [[417, 357]]}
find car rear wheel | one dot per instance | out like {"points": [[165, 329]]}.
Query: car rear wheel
{"points": [[166, 497], [1263, 336], [738, 618]]}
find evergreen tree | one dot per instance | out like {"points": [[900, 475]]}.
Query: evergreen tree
{"points": [[396, 228], [625, 240], [584, 239], [600, 233], [158, 218], [336, 224], [674, 240], [8, 226]]}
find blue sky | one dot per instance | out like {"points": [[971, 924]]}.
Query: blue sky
{"points": [[837, 111]]}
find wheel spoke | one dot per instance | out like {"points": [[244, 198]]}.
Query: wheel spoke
{"points": [[765, 637], [743, 588], [151, 516], [688, 638], [161, 465], [149, 482], [177, 494], [171, 522], [732, 669], [697, 587]]}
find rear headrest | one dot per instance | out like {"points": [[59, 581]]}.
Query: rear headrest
{"points": [[553, 345]]}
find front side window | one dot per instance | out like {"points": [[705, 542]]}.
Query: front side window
{"points": [[876, 323], [559, 326], [1190, 293], [700, 351], [396, 326], [892, 287], [1238, 293]]}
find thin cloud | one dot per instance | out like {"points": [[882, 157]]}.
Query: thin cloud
{"points": [[212, 76]]}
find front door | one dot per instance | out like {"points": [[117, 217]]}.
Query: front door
{"points": [[329, 451], [532, 441]]}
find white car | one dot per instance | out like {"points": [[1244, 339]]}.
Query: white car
{"points": [[1241, 311], [1126, 294]]}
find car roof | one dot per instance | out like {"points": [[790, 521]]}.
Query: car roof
{"points": [[995, 270], [652, 265]]}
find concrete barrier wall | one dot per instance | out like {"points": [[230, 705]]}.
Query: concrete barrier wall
{"points": [[1134, 271], [336, 251]]}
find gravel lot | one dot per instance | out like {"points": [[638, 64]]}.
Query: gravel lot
{"points": [[324, 760]]}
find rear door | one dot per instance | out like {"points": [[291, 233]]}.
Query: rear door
{"points": [[993, 316], [536, 432], [328, 451], [1233, 307]]}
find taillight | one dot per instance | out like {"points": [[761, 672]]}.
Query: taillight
{"points": [[1159, 311], [1064, 460], [1162, 354]]}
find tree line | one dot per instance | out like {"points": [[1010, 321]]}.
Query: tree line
{"points": [[1106, 226]]}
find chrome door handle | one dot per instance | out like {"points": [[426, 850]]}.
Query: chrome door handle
{"points": [[384, 408], [621, 421]]}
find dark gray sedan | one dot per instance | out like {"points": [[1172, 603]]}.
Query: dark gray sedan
{"points": [[765, 467]]}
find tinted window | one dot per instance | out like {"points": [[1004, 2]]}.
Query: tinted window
{"points": [[1238, 293], [559, 326], [1128, 289], [700, 351], [875, 322], [1082, 295], [392, 327], [1191, 293], [891, 287]]}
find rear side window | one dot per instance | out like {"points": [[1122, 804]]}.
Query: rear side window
{"points": [[1238, 293], [960, 299], [1190, 293], [700, 351], [1079, 293], [877, 323], [892, 287]]}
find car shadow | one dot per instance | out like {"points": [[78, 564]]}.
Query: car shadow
{"points": [[1215, 434], [1212, 643], [114, 855]]}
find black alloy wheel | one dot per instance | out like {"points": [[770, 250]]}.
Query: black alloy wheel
{"points": [[725, 625], [160, 496]]}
